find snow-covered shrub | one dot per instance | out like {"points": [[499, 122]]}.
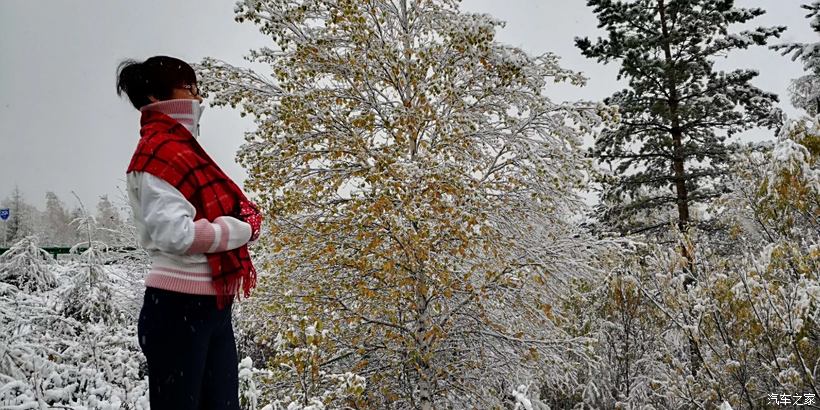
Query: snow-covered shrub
{"points": [[747, 325], [89, 303], [524, 401], [249, 384], [27, 267], [255, 329], [49, 361], [303, 376], [89, 296]]}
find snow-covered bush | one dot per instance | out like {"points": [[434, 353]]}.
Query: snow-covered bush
{"points": [[524, 401], [89, 296], [88, 299], [50, 361], [250, 379], [27, 267], [304, 376]]}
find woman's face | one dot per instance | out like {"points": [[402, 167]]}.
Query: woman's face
{"points": [[184, 92]]}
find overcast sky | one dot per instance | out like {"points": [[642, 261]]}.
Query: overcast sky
{"points": [[63, 128]]}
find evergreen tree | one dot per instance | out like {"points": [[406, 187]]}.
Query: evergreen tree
{"points": [[109, 222], [20, 222], [26, 266], [671, 149], [58, 232], [78, 234], [805, 91]]}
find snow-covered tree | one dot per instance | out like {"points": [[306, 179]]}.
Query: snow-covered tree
{"points": [[805, 91], [756, 310], [58, 231], [109, 222], [28, 267], [300, 376], [89, 298], [419, 192], [21, 219], [670, 151]]}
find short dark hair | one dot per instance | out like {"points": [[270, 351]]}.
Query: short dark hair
{"points": [[156, 76]]}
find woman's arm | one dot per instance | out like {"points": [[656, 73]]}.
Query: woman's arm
{"points": [[169, 220]]}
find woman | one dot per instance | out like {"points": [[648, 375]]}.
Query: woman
{"points": [[196, 224]]}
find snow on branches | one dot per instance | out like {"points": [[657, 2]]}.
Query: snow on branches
{"points": [[419, 186], [27, 267]]}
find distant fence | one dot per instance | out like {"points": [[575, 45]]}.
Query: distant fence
{"points": [[67, 250]]}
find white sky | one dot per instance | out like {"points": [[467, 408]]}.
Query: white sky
{"points": [[63, 128]]}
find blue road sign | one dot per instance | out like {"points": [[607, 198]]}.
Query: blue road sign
{"points": [[4, 214]]}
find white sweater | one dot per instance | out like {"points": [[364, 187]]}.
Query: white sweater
{"points": [[177, 244]]}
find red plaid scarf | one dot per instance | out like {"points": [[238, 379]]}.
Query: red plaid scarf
{"points": [[168, 151]]}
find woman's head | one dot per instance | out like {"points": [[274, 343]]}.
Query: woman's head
{"points": [[156, 79]]}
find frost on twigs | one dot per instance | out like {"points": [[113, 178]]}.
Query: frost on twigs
{"points": [[28, 267]]}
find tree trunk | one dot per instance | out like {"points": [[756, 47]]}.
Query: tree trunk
{"points": [[423, 325], [679, 169]]}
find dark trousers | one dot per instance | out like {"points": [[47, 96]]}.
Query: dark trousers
{"points": [[191, 352]]}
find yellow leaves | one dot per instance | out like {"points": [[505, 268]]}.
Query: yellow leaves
{"points": [[383, 204], [374, 243], [547, 309], [433, 334], [330, 249], [360, 365], [812, 142], [624, 294], [365, 291], [365, 121], [532, 355]]}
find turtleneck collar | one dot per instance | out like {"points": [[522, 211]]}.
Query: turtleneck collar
{"points": [[186, 112]]}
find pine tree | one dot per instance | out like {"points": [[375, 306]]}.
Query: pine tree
{"points": [[670, 150], [109, 222], [805, 91], [20, 222], [58, 231]]}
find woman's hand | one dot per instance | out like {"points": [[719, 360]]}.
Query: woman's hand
{"points": [[249, 212]]}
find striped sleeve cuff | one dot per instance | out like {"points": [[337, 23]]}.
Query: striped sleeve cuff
{"points": [[204, 237], [231, 233], [224, 234]]}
